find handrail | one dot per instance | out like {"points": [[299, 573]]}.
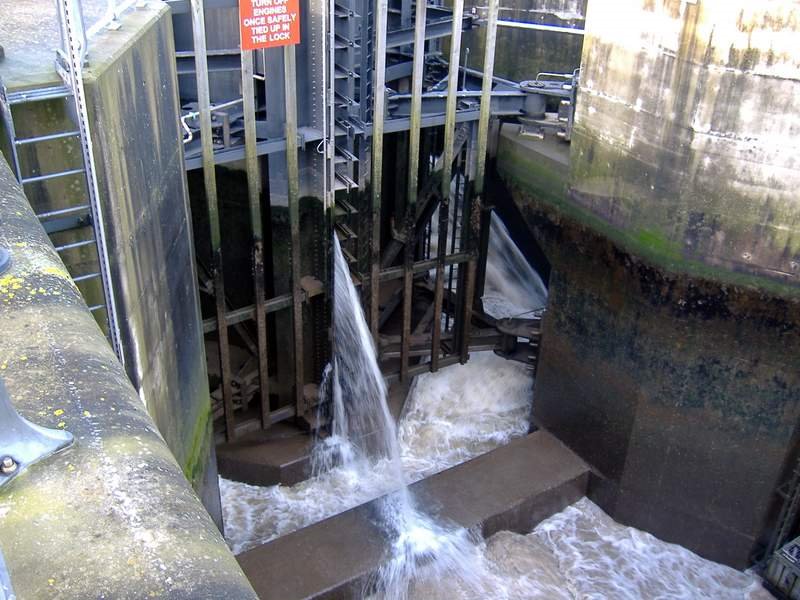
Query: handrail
{"points": [[110, 19]]}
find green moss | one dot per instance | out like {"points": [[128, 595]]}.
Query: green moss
{"points": [[196, 457], [545, 181], [658, 243], [544, 178]]}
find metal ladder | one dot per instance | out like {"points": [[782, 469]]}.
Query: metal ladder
{"points": [[83, 213], [77, 216]]}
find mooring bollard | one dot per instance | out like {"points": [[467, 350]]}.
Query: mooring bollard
{"points": [[21, 442]]}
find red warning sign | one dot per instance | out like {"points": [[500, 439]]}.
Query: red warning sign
{"points": [[269, 23]]}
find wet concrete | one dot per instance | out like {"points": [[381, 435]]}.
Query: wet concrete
{"points": [[282, 453], [278, 455], [30, 36], [679, 390], [112, 516], [513, 487]]}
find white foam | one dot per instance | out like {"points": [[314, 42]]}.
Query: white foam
{"points": [[463, 411], [448, 419], [581, 553]]}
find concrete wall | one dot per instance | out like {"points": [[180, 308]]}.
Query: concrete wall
{"points": [[112, 516], [520, 54], [686, 137], [131, 90], [671, 362]]}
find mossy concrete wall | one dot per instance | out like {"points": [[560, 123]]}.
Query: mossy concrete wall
{"points": [[680, 391], [112, 516], [131, 87], [686, 136]]}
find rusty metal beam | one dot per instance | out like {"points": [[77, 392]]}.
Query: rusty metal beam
{"points": [[473, 232], [417, 74], [447, 169], [254, 198], [212, 202], [293, 174], [378, 116], [284, 301]]}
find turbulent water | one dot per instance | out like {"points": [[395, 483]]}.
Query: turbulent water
{"points": [[463, 411], [446, 421], [581, 553], [449, 417], [512, 287]]}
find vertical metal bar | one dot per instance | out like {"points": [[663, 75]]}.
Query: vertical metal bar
{"points": [[405, 12], [293, 174], [473, 232], [447, 170], [254, 196], [210, 181], [8, 121], [75, 45], [378, 115], [413, 183], [456, 201]]}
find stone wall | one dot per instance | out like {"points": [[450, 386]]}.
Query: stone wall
{"points": [[686, 136], [680, 391]]}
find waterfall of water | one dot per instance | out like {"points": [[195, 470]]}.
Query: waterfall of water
{"points": [[363, 435], [513, 288], [361, 426]]}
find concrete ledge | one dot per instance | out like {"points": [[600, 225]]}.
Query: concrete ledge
{"points": [[279, 454], [112, 516], [282, 453], [513, 487]]}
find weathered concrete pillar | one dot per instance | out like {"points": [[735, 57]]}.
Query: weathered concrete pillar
{"points": [[131, 89], [671, 352]]}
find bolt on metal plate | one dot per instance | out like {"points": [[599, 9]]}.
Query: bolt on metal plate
{"points": [[5, 260], [22, 443]]}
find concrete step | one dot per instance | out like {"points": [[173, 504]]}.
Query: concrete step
{"points": [[267, 457], [281, 454], [514, 487]]}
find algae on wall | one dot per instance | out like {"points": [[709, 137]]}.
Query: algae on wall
{"points": [[131, 87], [684, 143]]}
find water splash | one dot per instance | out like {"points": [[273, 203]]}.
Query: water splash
{"points": [[513, 288], [463, 411], [582, 553], [450, 416], [362, 428], [363, 434]]}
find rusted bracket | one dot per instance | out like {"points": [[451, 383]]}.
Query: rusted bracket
{"points": [[21, 442]]}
